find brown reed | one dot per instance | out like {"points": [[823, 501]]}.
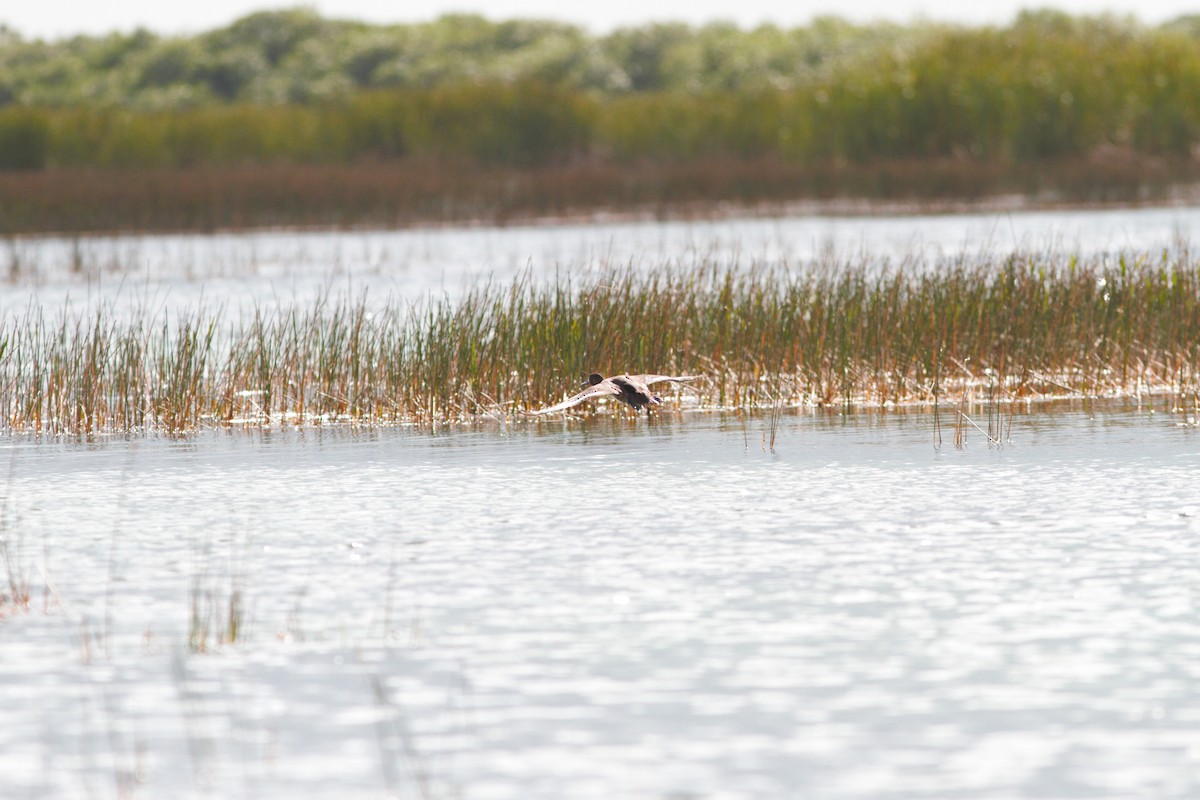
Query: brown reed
{"points": [[419, 192], [833, 333]]}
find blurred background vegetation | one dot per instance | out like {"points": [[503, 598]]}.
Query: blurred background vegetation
{"points": [[294, 88]]}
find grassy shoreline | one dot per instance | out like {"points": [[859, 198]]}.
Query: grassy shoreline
{"points": [[830, 334]]}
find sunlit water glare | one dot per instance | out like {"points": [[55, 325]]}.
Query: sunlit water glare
{"points": [[264, 269], [638, 609]]}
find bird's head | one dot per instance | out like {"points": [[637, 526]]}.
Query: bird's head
{"points": [[595, 378]]}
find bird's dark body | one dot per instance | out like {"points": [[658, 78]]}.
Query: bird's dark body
{"points": [[635, 396], [632, 390]]}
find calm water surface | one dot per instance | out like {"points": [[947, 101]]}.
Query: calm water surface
{"points": [[649, 609]]}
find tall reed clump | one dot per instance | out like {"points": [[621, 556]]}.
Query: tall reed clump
{"points": [[522, 124], [830, 333], [1047, 86], [533, 119], [290, 86]]}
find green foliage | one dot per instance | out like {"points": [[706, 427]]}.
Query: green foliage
{"points": [[525, 123], [291, 55], [831, 332], [24, 139], [293, 86], [522, 124]]}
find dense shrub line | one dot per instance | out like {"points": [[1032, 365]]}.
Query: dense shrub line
{"points": [[1046, 86]]}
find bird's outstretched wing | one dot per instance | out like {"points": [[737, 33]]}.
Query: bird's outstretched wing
{"points": [[652, 379], [599, 390]]}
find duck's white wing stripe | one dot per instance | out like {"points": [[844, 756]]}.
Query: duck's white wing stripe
{"points": [[649, 379], [598, 390]]}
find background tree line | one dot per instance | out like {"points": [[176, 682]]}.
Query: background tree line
{"points": [[293, 87]]}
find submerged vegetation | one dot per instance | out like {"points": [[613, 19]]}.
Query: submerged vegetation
{"points": [[184, 124], [831, 334]]}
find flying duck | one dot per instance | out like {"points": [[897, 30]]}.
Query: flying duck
{"points": [[632, 390]]}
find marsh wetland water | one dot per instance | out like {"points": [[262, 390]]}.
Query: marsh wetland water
{"points": [[659, 607], [271, 267]]}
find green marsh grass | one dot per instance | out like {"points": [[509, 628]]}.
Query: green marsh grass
{"points": [[215, 619], [833, 333], [218, 615], [333, 123], [14, 591], [519, 93]]}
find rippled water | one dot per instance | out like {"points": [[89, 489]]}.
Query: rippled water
{"points": [[265, 268], [649, 609], [606, 609]]}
